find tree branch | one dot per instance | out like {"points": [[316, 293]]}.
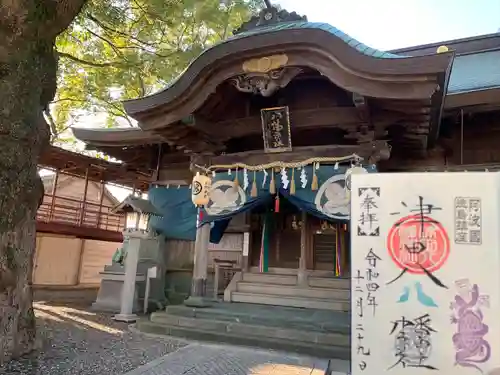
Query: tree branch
{"points": [[60, 14], [91, 63], [105, 40], [63, 130], [141, 83], [67, 100], [136, 43], [108, 28], [52, 123]]}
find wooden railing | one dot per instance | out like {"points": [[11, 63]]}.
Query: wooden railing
{"points": [[77, 213]]}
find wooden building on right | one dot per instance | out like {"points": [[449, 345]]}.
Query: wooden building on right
{"points": [[469, 132]]}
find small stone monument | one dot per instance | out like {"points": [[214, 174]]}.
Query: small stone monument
{"points": [[123, 282], [109, 296]]}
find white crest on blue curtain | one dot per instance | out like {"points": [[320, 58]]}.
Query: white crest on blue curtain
{"points": [[332, 199], [245, 179], [225, 198], [264, 179], [303, 178], [350, 172], [284, 178], [229, 172]]}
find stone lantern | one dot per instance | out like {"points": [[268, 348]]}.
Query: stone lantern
{"points": [[138, 213], [143, 250]]}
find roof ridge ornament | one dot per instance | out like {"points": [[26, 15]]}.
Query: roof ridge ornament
{"points": [[270, 15]]}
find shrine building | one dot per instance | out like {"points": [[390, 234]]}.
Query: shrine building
{"points": [[275, 119]]}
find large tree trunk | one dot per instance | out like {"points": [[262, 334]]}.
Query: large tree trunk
{"points": [[23, 133], [27, 83]]}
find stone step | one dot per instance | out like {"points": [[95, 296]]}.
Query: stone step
{"points": [[329, 282], [336, 339], [80, 296], [270, 316], [281, 279], [291, 291], [311, 303], [316, 350], [269, 278]]}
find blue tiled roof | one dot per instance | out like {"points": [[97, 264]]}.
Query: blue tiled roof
{"points": [[477, 71], [363, 48]]}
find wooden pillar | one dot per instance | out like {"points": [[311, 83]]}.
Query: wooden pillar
{"points": [[80, 262], [101, 198], [54, 190], [247, 244], [156, 176], [199, 281], [246, 252], [343, 252], [82, 213], [310, 246], [277, 253], [302, 271]]}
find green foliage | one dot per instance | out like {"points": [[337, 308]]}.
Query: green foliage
{"points": [[124, 49]]}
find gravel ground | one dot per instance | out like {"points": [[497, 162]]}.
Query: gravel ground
{"points": [[76, 341]]}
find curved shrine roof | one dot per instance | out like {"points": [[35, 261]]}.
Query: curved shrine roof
{"points": [[363, 48], [350, 64], [299, 25], [337, 48]]}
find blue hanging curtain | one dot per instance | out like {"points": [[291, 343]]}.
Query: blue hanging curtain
{"points": [[331, 200], [218, 229], [229, 199], [179, 213]]}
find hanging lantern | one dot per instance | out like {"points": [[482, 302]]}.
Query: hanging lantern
{"points": [[357, 169], [200, 189]]}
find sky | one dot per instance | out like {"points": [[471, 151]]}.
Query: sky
{"points": [[391, 24]]}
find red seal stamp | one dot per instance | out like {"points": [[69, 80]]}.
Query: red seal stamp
{"points": [[416, 242]]}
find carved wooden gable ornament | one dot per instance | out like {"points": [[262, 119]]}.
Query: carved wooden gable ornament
{"points": [[265, 75]]}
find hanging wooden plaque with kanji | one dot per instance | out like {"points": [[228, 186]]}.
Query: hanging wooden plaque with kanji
{"points": [[276, 129]]}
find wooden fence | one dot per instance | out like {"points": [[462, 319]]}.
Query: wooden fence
{"points": [[74, 212]]}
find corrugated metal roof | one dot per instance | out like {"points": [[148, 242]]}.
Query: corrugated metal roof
{"points": [[473, 72], [363, 48]]}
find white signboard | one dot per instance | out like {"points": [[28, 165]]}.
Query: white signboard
{"points": [[425, 273]]}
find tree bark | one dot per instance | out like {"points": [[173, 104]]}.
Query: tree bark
{"points": [[28, 69]]}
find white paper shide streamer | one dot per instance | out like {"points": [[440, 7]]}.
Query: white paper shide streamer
{"points": [[303, 178], [284, 178], [245, 179], [264, 180]]}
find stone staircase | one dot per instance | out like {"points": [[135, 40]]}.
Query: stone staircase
{"points": [[281, 289], [319, 333]]}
